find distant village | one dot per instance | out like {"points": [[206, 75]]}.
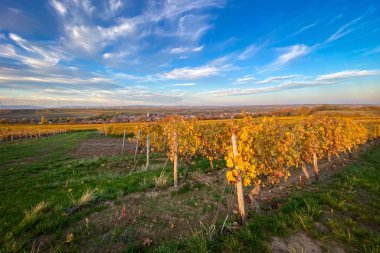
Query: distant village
{"points": [[68, 117]]}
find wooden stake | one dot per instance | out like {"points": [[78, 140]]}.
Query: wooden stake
{"points": [[239, 183], [122, 148], [147, 151], [137, 144], [304, 170], [175, 161], [315, 163]]}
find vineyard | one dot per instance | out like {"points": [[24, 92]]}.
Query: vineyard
{"points": [[257, 152], [251, 155], [9, 132]]}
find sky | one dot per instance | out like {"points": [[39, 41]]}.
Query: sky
{"points": [[189, 52]]}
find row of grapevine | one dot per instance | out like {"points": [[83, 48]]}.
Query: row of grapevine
{"points": [[257, 151], [12, 134], [268, 151]]}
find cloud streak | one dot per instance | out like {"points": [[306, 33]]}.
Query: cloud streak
{"points": [[343, 30], [245, 79], [277, 78], [181, 50], [321, 80], [184, 84], [347, 74], [188, 73], [288, 54]]}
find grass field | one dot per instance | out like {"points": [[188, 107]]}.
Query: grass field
{"points": [[53, 199]]}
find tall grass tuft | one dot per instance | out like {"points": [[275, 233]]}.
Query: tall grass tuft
{"points": [[12, 242], [33, 214], [87, 197], [161, 181]]}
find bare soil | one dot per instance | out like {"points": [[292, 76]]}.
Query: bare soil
{"points": [[301, 242], [102, 146]]}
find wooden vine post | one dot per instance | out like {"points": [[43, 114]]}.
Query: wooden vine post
{"points": [[315, 163], [122, 149], [239, 182], [147, 151], [137, 144], [304, 170], [175, 160]]}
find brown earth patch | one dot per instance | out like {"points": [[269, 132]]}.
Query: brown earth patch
{"points": [[102, 146], [301, 242]]}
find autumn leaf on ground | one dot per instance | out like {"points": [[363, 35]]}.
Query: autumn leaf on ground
{"points": [[69, 237], [147, 241]]}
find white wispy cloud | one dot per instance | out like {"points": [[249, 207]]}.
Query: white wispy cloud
{"points": [[78, 97], [291, 53], [115, 55], [347, 74], [375, 50], [328, 79], [192, 72], [59, 7], [112, 7], [30, 54], [245, 79], [277, 78], [184, 21], [248, 52], [50, 79], [7, 50], [343, 30], [303, 29], [288, 54], [181, 50], [95, 38], [251, 91], [184, 84]]}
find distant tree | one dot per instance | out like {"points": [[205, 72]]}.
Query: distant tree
{"points": [[3, 121], [72, 120], [43, 120], [25, 121], [304, 110]]}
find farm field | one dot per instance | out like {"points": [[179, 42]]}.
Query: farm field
{"points": [[166, 126], [78, 192]]}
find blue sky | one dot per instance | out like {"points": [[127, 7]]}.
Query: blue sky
{"points": [[195, 52]]}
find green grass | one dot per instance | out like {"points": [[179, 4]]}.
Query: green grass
{"points": [[41, 184], [45, 170]]}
